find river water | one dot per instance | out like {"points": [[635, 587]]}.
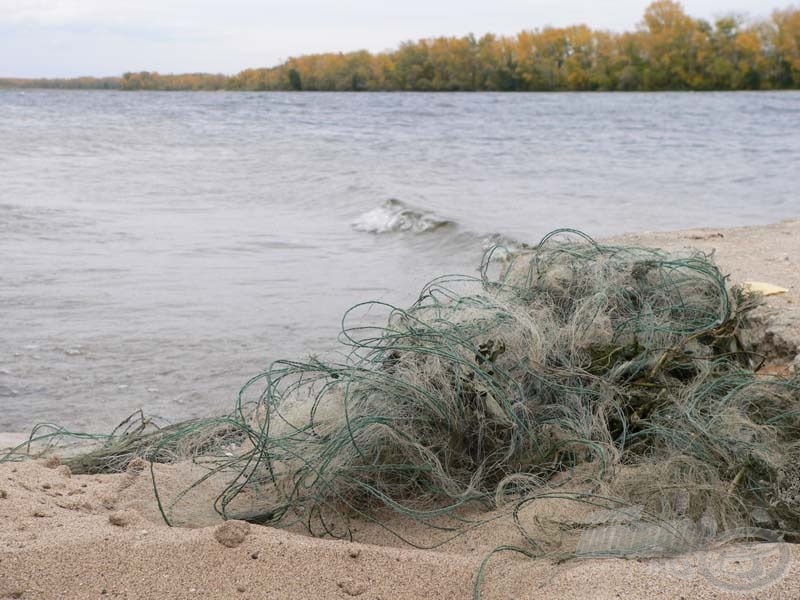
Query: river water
{"points": [[158, 249]]}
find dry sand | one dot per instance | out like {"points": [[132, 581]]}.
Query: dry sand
{"points": [[64, 536]]}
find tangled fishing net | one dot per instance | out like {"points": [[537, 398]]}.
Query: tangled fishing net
{"points": [[615, 378]]}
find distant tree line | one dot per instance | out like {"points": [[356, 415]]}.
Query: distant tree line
{"points": [[669, 51], [75, 83]]}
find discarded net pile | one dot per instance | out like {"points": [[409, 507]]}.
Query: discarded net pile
{"points": [[612, 376]]}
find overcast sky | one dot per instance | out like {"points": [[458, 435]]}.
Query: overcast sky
{"points": [[57, 38]]}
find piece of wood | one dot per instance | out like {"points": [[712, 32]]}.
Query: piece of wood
{"points": [[763, 288]]}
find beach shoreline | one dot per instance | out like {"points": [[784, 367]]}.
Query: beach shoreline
{"points": [[71, 536]]}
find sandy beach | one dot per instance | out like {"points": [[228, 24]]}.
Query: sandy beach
{"points": [[70, 536]]}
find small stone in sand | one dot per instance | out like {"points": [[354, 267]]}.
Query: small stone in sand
{"points": [[352, 587], [52, 462], [3, 494], [232, 533], [354, 552], [255, 555], [241, 589], [121, 518]]}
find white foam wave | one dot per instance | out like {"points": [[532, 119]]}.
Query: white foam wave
{"points": [[394, 215]]}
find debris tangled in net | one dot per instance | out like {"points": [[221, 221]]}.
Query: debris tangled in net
{"points": [[617, 378]]}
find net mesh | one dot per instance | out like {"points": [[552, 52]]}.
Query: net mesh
{"points": [[613, 379]]}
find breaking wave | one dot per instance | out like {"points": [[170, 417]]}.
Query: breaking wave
{"points": [[394, 215]]}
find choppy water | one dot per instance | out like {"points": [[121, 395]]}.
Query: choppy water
{"points": [[158, 249]]}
